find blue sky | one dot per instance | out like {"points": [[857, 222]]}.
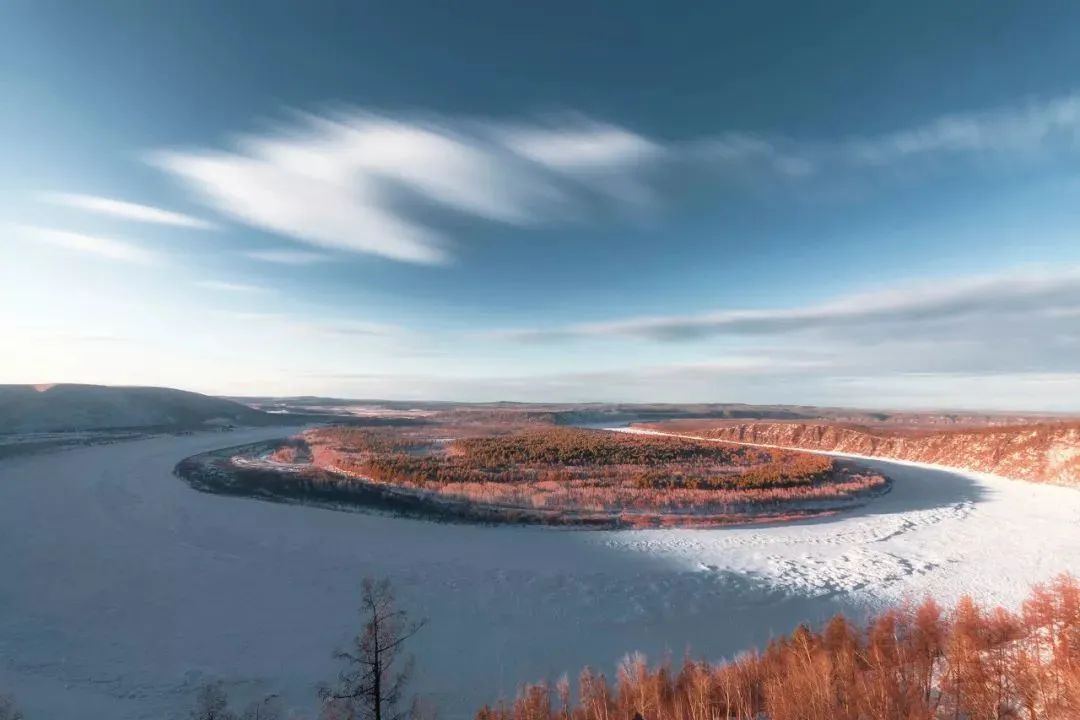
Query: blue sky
{"points": [[757, 202]]}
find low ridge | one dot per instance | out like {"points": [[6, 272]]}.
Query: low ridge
{"points": [[69, 407]]}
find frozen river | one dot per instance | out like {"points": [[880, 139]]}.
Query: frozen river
{"points": [[121, 589]]}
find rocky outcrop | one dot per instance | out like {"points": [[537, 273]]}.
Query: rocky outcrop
{"points": [[1048, 452]]}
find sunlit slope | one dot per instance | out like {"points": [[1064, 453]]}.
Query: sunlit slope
{"points": [[1037, 452]]}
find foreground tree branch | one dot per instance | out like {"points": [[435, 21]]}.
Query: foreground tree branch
{"points": [[372, 685]]}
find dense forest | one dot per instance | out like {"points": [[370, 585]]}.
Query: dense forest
{"points": [[1034, 451], [525, 456], [910, 663], [559, 469]]}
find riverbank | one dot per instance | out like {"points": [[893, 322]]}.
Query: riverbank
{"points": [[270, 472]]}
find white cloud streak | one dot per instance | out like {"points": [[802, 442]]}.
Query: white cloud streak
{"points": [[581, 149], [347, 183], [602, 157], [230, 287], [288, 257], [105, 247], [1025, 129], [127, 210], [741, 150], [355, 181], [992, 296], [1016, 129]]}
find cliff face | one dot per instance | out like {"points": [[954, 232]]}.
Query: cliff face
{"points": [[1038, 453]]}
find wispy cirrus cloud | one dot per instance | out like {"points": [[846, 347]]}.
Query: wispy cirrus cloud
{"points": [[127, 210], [1023, 128], [736, 150], [327, 327], [346, 182], [581, 148], [1052, 294], [288, 257], [230, 287], [603, 157], [106, 247], [357, 181]]}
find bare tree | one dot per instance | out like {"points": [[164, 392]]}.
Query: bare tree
{"points": [[212, 703], [371, 685], [8, 709], [269, 708]]}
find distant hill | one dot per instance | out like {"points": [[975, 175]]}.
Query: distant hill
{"points": [[56, 408], [614, 413]]}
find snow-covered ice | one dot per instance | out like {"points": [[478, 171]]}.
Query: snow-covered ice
{"points": [[121, 588]]}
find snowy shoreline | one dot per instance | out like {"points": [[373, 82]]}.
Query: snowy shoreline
{"points": [[973, 474], [182, 586]]}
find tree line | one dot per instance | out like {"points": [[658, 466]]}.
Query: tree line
{"points": [[909, 663], [913, 662]]}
